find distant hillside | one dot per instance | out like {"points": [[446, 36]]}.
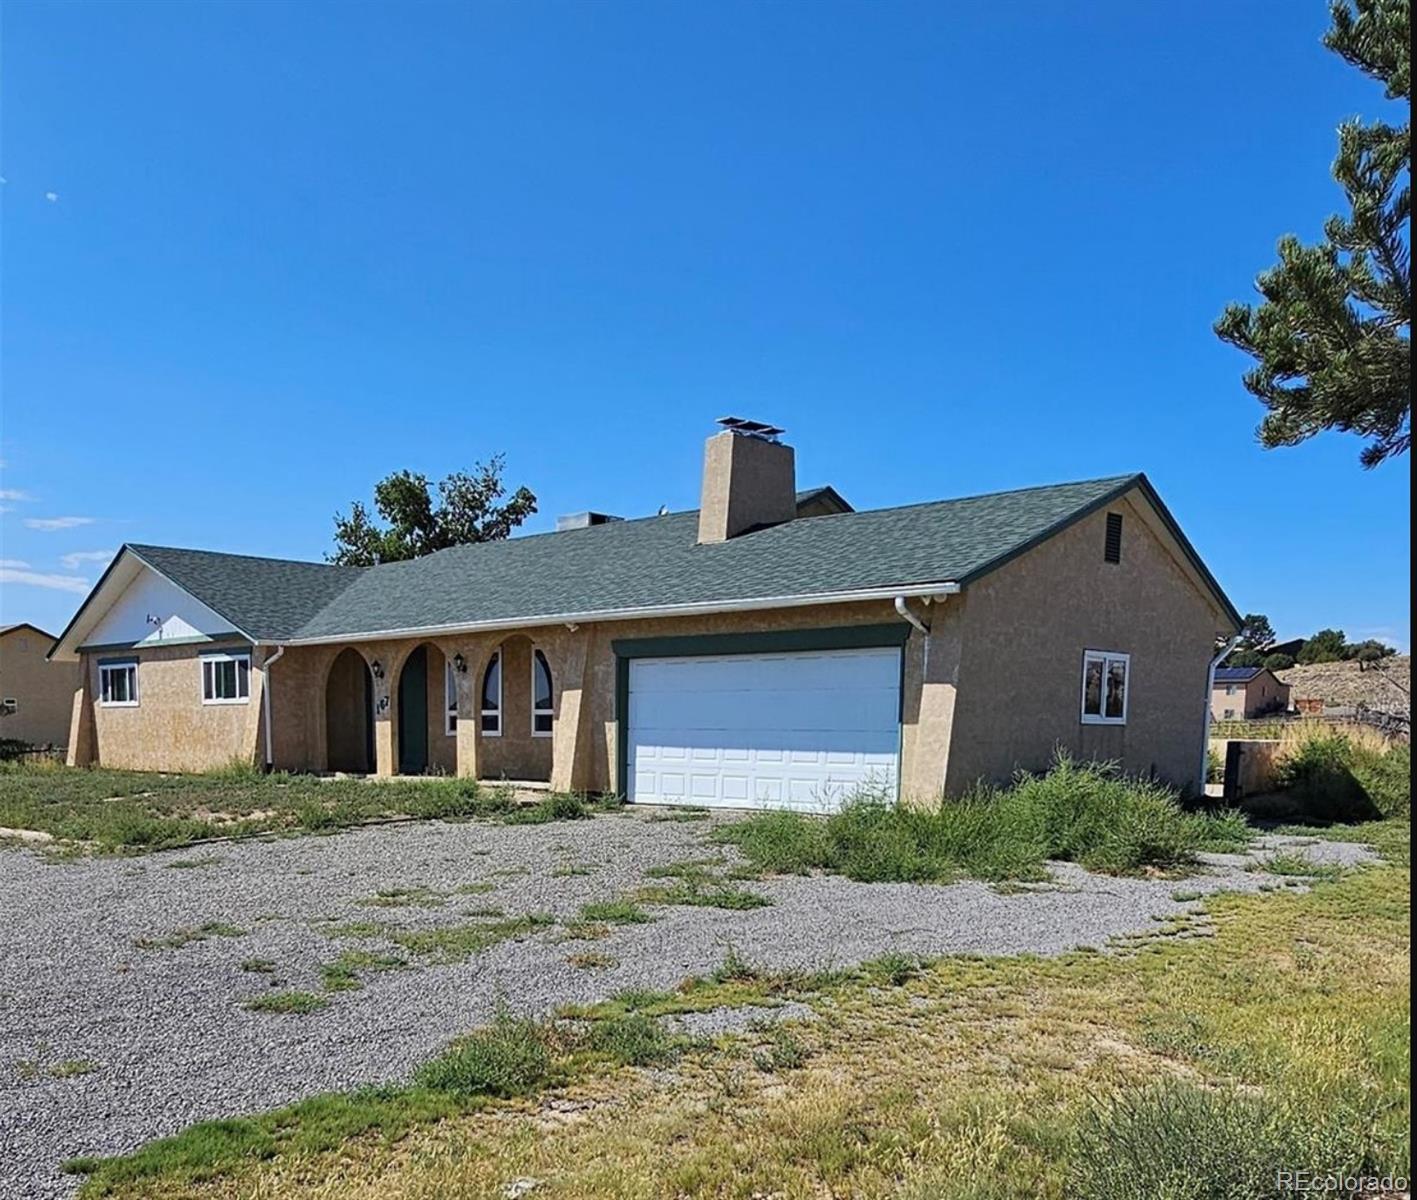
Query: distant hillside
{"points": [[1387, 686]]}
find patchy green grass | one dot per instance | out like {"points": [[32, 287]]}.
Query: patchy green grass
{"points": [[456, 943], [260, 966], [405, 897], [1299, 866], [699, 883], [613, 912], [298, 1003], [183, 937], [108, 811], [192, 864], [1390, 838], [590, 960], [510, 1057], [1079, 811], [570, 870], [72, 1067], [636, 1040], [1183, 1068], [894, 968], [345, 974]]}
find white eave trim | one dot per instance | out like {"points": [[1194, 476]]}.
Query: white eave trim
{"points": [[940, 588]]}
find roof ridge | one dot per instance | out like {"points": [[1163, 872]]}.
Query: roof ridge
{"points": [[856, 512], [138, 548]]}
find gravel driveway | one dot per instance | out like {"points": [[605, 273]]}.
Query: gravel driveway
{"points": [[106, 1043]]}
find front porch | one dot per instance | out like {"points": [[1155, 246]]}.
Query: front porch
{"points": [[503, 707]]}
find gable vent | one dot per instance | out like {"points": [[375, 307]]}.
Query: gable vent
{"points": [[1112, 547]]}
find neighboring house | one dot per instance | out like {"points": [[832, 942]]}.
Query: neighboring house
{"points": [[36, 695], [1243, 692], [771, 648]]}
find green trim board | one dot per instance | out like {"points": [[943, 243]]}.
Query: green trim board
{"points": [[775, 641], [772, 641]]}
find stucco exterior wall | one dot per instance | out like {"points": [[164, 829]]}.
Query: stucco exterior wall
{"points": [[1024, 631], [994, 686], [43, 691], [170, 729]]}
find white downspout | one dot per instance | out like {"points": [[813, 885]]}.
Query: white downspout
{"points": [[1209, 693], [906, 615], [266, 703], [902, 606]]}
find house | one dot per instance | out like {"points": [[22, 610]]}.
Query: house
{"points": [[1240, 693], [36, 695], [773, 647]]}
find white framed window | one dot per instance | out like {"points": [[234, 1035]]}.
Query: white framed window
{"points": [[1229, 715], [1105, 678], [226, 678], [1229, 689], [542, 709], [491, 713], [118, 684], [450, 699]]}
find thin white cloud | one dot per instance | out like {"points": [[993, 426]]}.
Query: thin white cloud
{"points": [[52, 197], [14, 494], [50, 524], [73, 561], [58, 583], [16, 563]]}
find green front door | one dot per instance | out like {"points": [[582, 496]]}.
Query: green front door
{"points": [[413, 714]]}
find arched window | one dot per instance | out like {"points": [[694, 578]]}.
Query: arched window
{"points": [[450, 698], [492, 698], [541, 706]]}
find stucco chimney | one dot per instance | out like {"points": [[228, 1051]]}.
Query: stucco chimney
{"points": [[750, 480]]}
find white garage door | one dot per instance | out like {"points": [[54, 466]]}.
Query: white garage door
{"points": [[801, 730]]}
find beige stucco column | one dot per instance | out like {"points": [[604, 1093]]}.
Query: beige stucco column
{"points": [[82, 750], [931, 686], [390, 658], [570, 766], [475, 653]]}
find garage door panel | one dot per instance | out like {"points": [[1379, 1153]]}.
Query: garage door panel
{"points": [[801, 730]]}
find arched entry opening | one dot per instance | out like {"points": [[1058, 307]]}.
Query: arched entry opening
{"points": [[349, 715], [427, 714]]}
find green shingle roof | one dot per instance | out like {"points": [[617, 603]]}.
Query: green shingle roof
{"points": [[647, 563]]}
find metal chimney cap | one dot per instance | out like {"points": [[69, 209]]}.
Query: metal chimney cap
{"points": [[757, 429]]}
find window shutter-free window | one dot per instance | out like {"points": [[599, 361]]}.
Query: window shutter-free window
{"points": [[542, 713], [226, 678], [491, 712], [118, 683], [1105, 681]]}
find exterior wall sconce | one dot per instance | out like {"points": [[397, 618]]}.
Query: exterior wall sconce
{"points": [[383, 704], [376, 668], [459, 664]]}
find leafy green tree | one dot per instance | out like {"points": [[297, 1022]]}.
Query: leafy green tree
{"points": [[1328, 645], [1244, 658], [1332, 338], [1278, 662], [470, 508], [1255, 632], [1370, 650]]}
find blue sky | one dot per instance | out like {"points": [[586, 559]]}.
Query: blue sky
{"points": [[256, 256]]}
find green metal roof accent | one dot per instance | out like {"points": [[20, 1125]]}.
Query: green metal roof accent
{"points": [[650, 562]]}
